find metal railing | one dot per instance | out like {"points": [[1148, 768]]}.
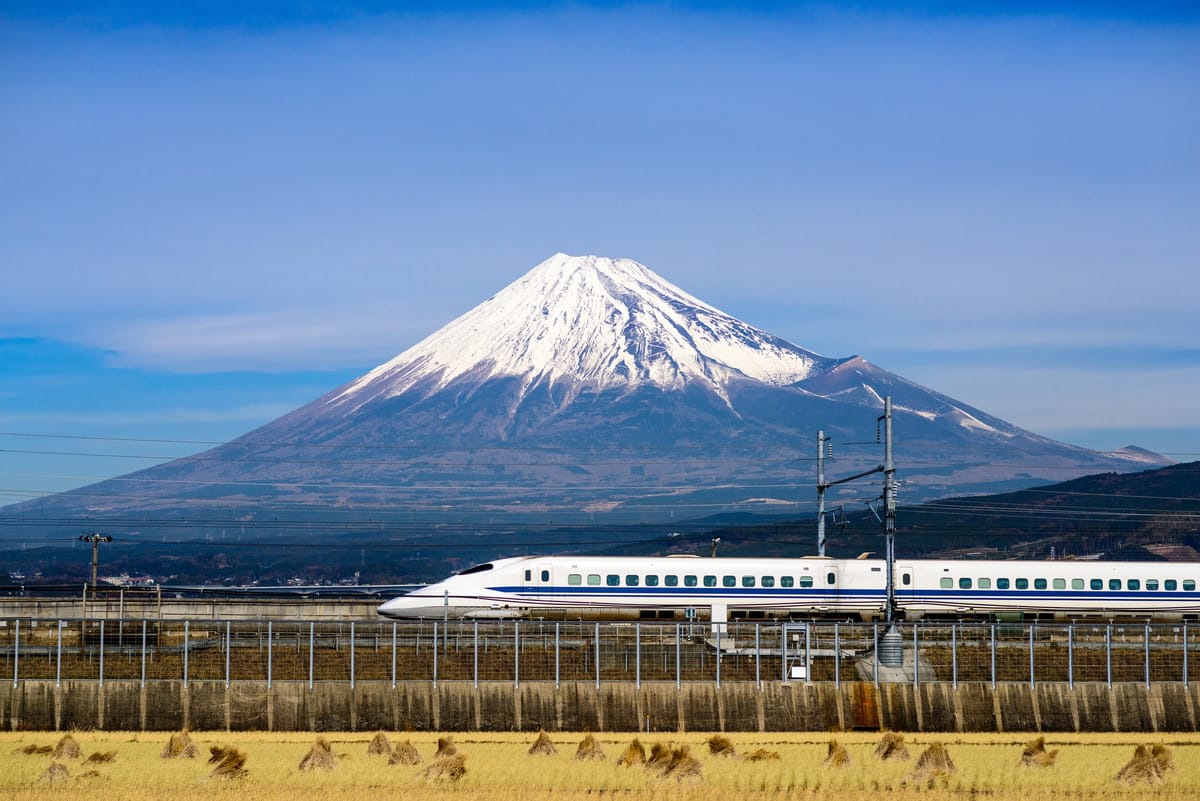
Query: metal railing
{"points": [[148, 650]]}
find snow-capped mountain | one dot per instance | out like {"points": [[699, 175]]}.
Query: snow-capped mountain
{"points": [[590, 324], [593, 385]]}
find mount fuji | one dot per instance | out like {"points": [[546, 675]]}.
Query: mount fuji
{"points": [[592, 386]]}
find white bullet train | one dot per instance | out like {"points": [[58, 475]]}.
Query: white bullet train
{"points": [[721, 589]]}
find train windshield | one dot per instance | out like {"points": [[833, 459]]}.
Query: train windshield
{"points": [[476, 569]]}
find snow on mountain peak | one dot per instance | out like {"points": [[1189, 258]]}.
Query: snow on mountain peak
{"points": [[596, 323]]}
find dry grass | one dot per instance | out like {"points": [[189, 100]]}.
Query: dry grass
{"points": [[1035, 754], [660, 757], [319, 757], [451, 767], [180, 746], [379, 746], [1143, 769], [68, 748], [837, 756], [34, 749], [891, 746], [404, 753], [101, 756], [496, 769], [720, 745], [445, 747], [761, 755], [57, 773], [589, 748], [230, 764], [543, 745], [934, 767], [634, 754]]}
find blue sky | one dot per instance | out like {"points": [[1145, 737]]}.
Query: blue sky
{"points": [[214, 212]]}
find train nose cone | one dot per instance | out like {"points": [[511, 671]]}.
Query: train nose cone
{"points": [[407, 606]]}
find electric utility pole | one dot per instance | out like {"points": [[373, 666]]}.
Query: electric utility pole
{"points": [[95, 539]]}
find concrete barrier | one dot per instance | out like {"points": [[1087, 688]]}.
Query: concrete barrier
{"points": [[652, 707]]}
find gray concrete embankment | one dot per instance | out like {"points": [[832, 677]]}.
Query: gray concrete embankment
{"points": [[499, 706]]}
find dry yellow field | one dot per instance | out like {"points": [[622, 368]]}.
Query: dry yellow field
{"points": [[499, 768]]}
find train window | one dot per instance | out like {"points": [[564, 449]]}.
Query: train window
{"points": [[1002, 584], [1189, 585], [651, 581], [1133, 584], [964, 584], [613, 580], [1077, 584], [1022, 584], [947, 583], [575, 579], [1039, 584], [1060, 584], [671, 581], [710, 581], [729, 581], [806, 581], [1097, 584], [831, 578], [528, 576], [545, 576], [906, 579], [787, 581], [1170, 584], [593, 579], [631, 580], [768, 581], [1152, 584], [985, 584], [1114, 584], [748, 581], [690, 581]]}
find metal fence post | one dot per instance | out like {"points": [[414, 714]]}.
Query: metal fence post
{"points": [[557, 644], [718, 632], [517, 653], [393, 654], [678, 658], [271, 655], [954, 655], [875, 653], [1147, 655], [353, 649], [1071, 655], [837, 656], [435, 653], [144, 651], [596, 642], [186, 637], [58, 661], [808, 653], [312, 641], [758, 654], [637, 655], [102, 652], [1185, 655], [993, 656], [1108, 653], [16, 651], [1032, 628], [476, 648], [916, 657]]}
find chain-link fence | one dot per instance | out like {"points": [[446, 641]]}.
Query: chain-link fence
{"points": [[516, 651]]}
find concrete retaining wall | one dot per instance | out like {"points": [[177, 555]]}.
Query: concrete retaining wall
{"points": [[499, 706]]}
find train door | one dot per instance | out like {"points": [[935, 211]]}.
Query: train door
{"points": [[906, 584], [831, 582]]}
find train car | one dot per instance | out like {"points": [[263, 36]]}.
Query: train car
{"points": [[721, 589]]}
